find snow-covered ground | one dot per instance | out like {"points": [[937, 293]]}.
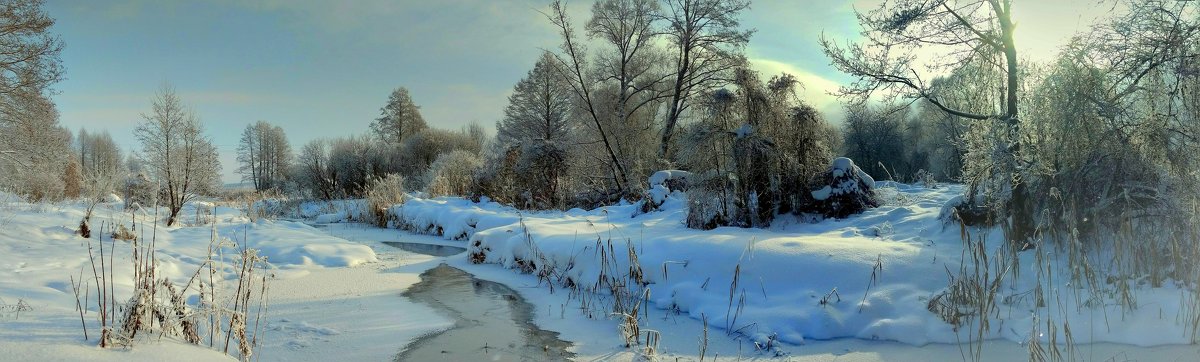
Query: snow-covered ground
{"points": [[330, 297], [336, 294]]}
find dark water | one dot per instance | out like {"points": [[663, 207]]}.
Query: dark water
{"points": [[427, 249], [491, 322]]}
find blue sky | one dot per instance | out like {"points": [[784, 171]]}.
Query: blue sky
{"points": [[324, 68]]}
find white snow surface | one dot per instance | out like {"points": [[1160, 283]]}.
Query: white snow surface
{"points": [[336, 292], [786, 270], [329, 298], [661, 177]]}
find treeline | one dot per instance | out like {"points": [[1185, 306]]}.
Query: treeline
{"points": [[1103, 132]]}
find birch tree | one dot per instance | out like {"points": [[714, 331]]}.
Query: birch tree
{"points": [[264, 156], [180, 158]]}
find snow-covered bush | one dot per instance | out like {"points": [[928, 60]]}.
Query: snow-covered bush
{"points": [[757, 152], [532, 175], [138, 191], [710, 201], [41, 184], [415, 155], [843, 190], [451, 173], [662, 183], [354, 162], [540, 170], [381, 195], [757, 168], [496, 179]]}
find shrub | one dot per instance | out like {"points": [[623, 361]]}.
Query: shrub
{"points": [[843, 190], [138, 191], [452, 173], [382, 194]]}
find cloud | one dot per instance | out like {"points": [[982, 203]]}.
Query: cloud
{"points": [[816, 89]]}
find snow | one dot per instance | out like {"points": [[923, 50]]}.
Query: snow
{"points": [[787, 269], [336, 292], [322, 284], [823, 193], [745, 130], [661, 177]]}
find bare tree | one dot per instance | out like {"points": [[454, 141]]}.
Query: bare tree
{"points": [[98, 154], [632, 79], [573, 63], [399, 118], [34, 146], [313, 171], [181, 159], [264, 155], [708, 45], [963, 31]]}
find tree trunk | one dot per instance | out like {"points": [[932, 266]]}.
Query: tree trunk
{"points": [[1019, 206], [676, 103]]}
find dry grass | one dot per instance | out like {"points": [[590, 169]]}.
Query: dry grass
{"points": [[383, 193], [14, 310], [159, 306]]}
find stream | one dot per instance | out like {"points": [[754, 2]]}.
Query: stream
{"points": [[491, 321]]}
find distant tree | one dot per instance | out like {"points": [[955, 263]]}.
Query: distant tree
{"points": [[355, 162], [98, 154], [399, 118], [264, 156], [313, 172], [875, 139], [181, 159], [36, 148], [708, 46], [72, 180]]}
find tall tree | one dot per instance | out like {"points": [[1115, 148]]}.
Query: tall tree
{"points": [[29, 64], [399, 118], [708, 45], [632, 75], [958, 31], [540, 106], [181, 159], [574, 62], [537, 123], [264, 156]]}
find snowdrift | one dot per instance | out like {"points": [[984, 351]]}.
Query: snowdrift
{"points": [[869, 276]]}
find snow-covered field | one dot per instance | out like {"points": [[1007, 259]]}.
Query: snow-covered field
{"points": [[330, 297], [336, 292]]}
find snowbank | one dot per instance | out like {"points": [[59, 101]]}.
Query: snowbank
{"points": [[868, 276]]}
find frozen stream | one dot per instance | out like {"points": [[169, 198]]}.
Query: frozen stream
{"points": [[491, 321]]}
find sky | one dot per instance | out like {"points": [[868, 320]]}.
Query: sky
{"points": [[323, 69]]}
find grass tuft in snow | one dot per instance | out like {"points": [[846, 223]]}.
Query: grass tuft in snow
{"points": [[160, 306]]}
